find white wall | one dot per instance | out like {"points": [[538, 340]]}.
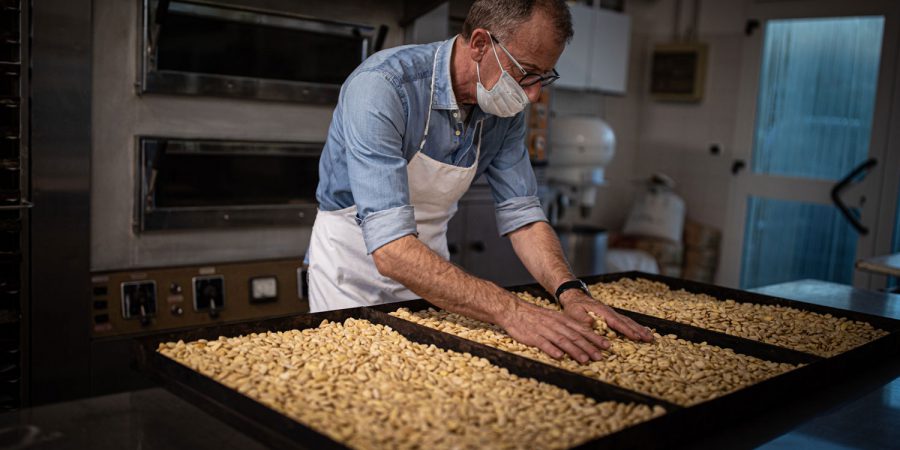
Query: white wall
{"points": [[673, 138], [430, 27]]}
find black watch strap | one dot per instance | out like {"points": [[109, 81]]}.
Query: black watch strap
{"points": [[573, 284]]}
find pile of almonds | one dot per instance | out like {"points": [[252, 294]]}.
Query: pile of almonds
{"points": [[673, 369], [369, 387], [818, 334]]}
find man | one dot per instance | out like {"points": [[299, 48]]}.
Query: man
{"points": [[413, 127]]}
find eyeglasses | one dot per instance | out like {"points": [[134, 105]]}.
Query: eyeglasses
{"points": [[529, 78]]}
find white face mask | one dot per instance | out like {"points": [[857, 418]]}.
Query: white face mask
{"points": [[506, 98]]}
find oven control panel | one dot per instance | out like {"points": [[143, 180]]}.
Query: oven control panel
{"points": [[152, 300]]}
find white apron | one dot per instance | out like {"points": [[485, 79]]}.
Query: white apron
{"points": [[342, 275]]}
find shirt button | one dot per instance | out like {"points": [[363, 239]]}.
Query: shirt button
{"points": [[457, 132]]}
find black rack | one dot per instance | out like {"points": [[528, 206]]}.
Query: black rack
{"points": [[680, 426], [13, 204]]}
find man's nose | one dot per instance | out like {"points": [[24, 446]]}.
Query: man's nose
{"points": [[533, 92]]}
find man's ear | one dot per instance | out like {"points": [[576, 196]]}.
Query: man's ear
{"points": [[478, 44]]}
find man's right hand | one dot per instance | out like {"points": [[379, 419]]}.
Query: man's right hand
{"points": [[553, 332]]}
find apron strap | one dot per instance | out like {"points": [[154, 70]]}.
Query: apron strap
{"points": [[480, 136], [430, 97]]}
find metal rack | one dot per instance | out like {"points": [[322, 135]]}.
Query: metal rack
{"points": [[13, 202], [680, 426]]}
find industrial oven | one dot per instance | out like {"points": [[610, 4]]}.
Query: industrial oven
{"points": [[175, 167]]}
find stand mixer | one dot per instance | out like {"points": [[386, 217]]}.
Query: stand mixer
{"points": [[580, 148]]}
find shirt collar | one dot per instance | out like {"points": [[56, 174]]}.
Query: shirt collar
{"points": [[444, 98]]}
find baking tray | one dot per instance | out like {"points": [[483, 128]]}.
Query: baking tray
{"points": [[716, 415], [870, 353], [723, 293], [860, 369], [280, 431]]}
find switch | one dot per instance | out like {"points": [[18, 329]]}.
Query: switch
{"points": [[209, 294], [263, 289], [174, 288], [139, 300]]}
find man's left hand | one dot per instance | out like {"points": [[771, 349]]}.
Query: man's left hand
{"points": [[577, 304]]}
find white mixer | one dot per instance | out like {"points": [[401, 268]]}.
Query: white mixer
{"points": [[580, 148]]}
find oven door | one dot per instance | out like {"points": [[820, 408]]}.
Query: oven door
{"points": [[201, 184], [194, 48]]}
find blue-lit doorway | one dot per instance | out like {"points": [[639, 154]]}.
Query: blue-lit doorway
{"points": [[816, 102]]}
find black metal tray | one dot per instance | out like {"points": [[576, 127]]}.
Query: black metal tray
{"points": [[870, 353], [724, 293], [716, 415], [679, 427], [279, 431]]}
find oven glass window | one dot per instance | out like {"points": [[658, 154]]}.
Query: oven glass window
{"points": [[221, 46], [222, 180], [180, 175]]}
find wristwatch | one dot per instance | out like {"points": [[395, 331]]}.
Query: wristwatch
{"points": [[573, 284]]}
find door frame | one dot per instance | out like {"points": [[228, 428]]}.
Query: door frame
{"points": [[884, 144], [889, 206]]}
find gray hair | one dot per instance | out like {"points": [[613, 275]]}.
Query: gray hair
{"points": [[502, 17]]}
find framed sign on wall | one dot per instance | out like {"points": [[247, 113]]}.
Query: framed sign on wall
{"points": [[678, 72]]}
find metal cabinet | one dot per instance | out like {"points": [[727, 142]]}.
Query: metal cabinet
{"points": [[597, 57], [475, 244]]}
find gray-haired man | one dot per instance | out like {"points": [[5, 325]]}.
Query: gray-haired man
{"points": [[413, 127]]}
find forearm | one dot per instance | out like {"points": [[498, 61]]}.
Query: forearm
{"points": [[410, 262], [539, 249]]}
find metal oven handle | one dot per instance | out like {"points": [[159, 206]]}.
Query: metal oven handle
{"points": [[23, 205]]}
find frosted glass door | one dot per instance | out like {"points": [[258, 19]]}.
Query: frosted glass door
{"points": [[817, 96], [788, 240], [814, 118], [814, 110]]}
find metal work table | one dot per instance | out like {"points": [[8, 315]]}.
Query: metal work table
{"points": [[865, 416], [869, 421], [863, 413], [152, 419]]}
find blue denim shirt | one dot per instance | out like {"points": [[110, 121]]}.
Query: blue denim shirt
{"points": [[378, 125]]}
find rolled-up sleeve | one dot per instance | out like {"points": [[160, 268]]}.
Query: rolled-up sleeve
{"points": [[382, 227], [373, 126], [512, 182]]}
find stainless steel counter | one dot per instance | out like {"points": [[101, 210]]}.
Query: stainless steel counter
{"points": [[837, 296], [861, 413], [869, 416], [151, 419]]}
